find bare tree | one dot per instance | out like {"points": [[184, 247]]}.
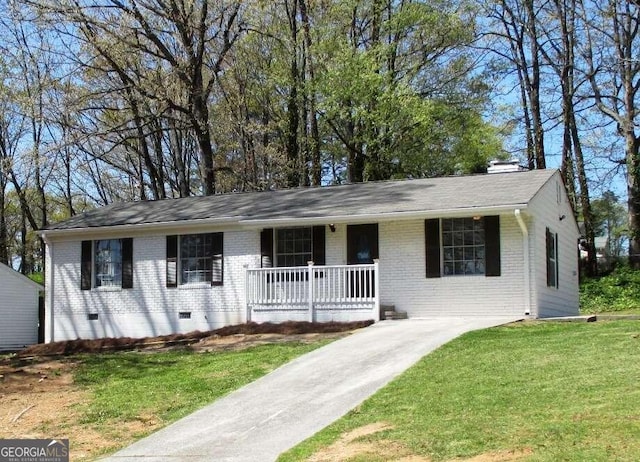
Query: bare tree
{"points": [[189, 41], [519, 22], [558, 29], [610, 50]]}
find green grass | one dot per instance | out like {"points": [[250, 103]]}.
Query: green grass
{"points": [[126, 387], [37, 277], [563, 391], [618, 292]]}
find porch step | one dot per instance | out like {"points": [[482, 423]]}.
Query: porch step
{"points": [[389, 312]]}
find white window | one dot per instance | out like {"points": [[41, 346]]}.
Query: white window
{"points": [[294, 246], [194, 258], [463, 246], [108, 263]]}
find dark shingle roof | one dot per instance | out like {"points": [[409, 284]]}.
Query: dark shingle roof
{"points": [[362, 199]]}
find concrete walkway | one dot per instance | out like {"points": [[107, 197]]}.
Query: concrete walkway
{"points": [[269, 416]]}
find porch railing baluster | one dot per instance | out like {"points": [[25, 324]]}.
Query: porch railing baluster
{"points": [[332, 289]]}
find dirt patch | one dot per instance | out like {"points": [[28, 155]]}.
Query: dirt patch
{"points": [[70, 347], [499, 456], [242, 341], [39, 399], [355, 444]]}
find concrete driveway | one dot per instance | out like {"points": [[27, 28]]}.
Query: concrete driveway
{"points": [[269, 416]]}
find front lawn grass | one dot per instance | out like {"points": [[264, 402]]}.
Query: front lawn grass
{"points": [[545, 391], [135, 393]]}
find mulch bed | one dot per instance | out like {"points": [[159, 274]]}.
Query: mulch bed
{"points": [[69, 347]]}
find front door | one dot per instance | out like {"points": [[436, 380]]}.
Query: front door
{"points": [[362, 248], [362, 244]]}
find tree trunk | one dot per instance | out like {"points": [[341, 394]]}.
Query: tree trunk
{"points": [[633, 201], [203, 136], [178, 148], [587, 214], [534, 89], [24, 255], [314, 141], [293, 111], [4, 251]]}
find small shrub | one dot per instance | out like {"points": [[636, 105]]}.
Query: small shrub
{"points": [[618, 291]]}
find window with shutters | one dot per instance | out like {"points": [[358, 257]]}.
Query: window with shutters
{"points": [[195, 259], [463, 246], [108, 263], [196, 263], [294, 246]]}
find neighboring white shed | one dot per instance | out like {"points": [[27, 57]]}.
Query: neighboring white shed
{"points": [[18, 309]]}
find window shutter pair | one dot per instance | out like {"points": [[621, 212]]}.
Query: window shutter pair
{"points": [[267, 253], [491, 245], [86, 264], [217, 261]]}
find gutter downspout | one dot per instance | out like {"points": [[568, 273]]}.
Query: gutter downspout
{"points": [[525, 250]]}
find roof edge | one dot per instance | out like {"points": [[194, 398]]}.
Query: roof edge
{"points": [[440, 213], [21, 276], [285, 221], [45, 233]]}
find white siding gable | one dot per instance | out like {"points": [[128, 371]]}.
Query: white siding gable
{"points": [[551, 209]]}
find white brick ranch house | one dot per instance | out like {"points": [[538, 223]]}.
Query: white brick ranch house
{"points": [[493, 244]]}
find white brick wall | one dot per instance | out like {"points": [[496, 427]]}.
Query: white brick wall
{"points": [[404, 283], [336, 245], [150, 308]]}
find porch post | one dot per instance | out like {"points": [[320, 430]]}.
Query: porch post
{"points": [[376, 278], [248, 286], [311, 294]]}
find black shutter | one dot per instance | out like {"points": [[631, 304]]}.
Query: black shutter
{"points": [[172, 261], [375, 245], [319, 245], [217, 266], [492, 245], [85, 265], [266, 248], [549, 262], [557, 249], [127, 263], [432, 246]]}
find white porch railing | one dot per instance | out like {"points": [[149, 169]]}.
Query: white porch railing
{"points": [[335, 291]]}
